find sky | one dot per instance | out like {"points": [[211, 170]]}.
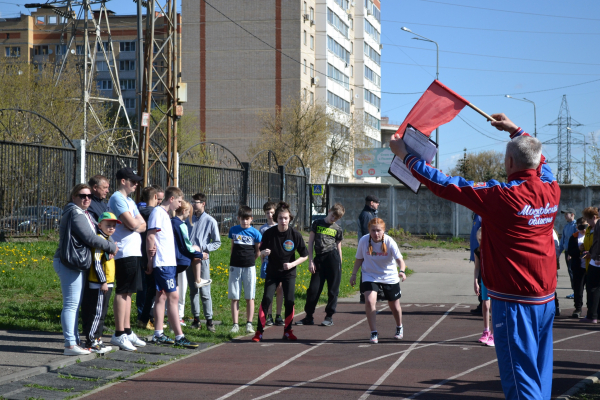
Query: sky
{"points": [[538, 50]]}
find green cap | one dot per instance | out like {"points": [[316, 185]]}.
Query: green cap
{"points": [[108, 216]]}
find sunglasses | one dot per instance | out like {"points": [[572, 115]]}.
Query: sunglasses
{"points": [[84, 196]]}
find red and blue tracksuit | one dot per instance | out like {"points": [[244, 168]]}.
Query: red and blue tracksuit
{"points": [[518, 266]]}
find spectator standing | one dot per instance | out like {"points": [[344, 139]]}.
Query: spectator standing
{"points": [[76, 227], [100, 189], [519, 260], [204, 233], [127, 261], [578, 265], [569, 229], [269, 210], [367, 214], [593, 271]]}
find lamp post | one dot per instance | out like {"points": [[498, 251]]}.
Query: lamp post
{"points": [[437, 77], [534, 112]]}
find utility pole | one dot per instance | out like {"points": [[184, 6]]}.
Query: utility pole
{"points": [[563, 140]]}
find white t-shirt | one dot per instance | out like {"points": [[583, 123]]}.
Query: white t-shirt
{"points": [[129, 242], [379, 266], [165, 241], [579, 243]]}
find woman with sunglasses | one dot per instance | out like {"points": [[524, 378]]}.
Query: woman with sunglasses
{"points": [[77, 228]]}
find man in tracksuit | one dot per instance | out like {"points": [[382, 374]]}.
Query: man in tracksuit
{"points": [[519, 264]]}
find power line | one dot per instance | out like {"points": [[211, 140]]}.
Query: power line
{"points": [[533, 91], [490, 56], [490, 29], [484, 134], [492, 70], [472, 148], [511, 12]]}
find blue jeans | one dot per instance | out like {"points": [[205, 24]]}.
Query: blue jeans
{"points": [[71, 284]]}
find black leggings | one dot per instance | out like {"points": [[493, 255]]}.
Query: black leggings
{"points": [[593, 291], [329, 268], [288, 284], [577, 285]]}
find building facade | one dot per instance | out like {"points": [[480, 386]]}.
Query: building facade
{"points": [[274, 51]]}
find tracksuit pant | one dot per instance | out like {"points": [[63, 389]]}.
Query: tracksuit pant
{"points": [[328, 269], [94, 307], [150, 293], [523, 338], [202, 294], [593, 291], [577, 286], [288, 284]]}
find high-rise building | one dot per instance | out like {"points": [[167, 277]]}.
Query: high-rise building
{"points": [[244, 58]]}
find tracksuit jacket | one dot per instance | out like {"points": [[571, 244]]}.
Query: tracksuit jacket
{"points": [[519, 264]]}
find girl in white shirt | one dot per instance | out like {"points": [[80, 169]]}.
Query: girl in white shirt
{"points": [[378, 257]]}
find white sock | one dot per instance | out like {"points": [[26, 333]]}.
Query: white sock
{"points": [[178, 337], [399, 326], [158, 333]]}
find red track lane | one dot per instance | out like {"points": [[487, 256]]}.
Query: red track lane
{"points": [[448, 350]]}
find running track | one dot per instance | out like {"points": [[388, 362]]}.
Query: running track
{"points": [[439, 358]]}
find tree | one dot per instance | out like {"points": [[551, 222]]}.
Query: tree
{"points": [[481, 167], [591, 176]]}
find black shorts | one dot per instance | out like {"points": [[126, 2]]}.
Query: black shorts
{"points": [[391, 292], [128, 276]]}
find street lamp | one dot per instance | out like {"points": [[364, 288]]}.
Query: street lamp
{"points": [[534, 112], [437, 77]]}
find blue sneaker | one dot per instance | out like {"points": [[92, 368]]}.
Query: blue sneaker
{"points": [[571, 296], [183, 342], [162, 339]]}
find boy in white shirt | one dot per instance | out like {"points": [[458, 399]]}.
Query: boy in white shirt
{"points": [[162, 263]]}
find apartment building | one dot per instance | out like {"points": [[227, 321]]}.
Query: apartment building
{"points": [[40, 38], [273, 51]]}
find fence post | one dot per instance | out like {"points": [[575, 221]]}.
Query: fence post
{"points": [[283, 181], [245, 183], [456, 220], [80, 162]]}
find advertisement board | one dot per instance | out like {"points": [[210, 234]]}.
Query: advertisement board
{"points": [[372, 162]]}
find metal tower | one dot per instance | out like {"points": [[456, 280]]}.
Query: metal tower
{"points": [[565, 124]]}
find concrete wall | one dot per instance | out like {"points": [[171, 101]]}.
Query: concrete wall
{"points": [[426, 213]]}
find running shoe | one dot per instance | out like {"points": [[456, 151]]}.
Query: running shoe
{"points": [[235, 328], [183, 342], [202, 283], [136, 341], [490, 341], [279, 321], [103, 346], [269, 321], [305, 321], [571, 296], [588, 320], [328, 321], [95, 347], [182, 322], [374, 338], [576, 313], [162, 339], [484, 337], [123, 343], [196, 324], [257, 337], [249, 328], [76, 351], [211, 328], [399, 332], [289, 335]]}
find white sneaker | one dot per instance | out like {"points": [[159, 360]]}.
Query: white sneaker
{"points": [[399, 332], [123, 343], [136, 341], [235, 328], [249, 328], [203, 282], [182, 322], [76, 351]]}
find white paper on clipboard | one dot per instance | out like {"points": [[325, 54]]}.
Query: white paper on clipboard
{"points": [[419, 145]]}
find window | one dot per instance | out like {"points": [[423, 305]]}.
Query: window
{"points": [[304, 8], [40, 20], [305, 96], [103, 65], [304, 38], [372, 76], [12, 51], [312, 70], [104, 85], [305, 66], [372, 54], [337, 102], [352, 94], [127, 84], [372, 98], [345, 4], [372, 121], [312, 42], [312, 14], [127, 65], [79, 50], [106, 45], [40, 50], [374, 11], [52, 20], [337, 23], [61, 49], [338, 50], [338, 76], [127, 46], [371, 31], [311, 96], [352, 70], [352, 23], [129, 103]]}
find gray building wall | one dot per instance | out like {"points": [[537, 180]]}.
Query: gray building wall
{"points": [[240, 70], [426, 213]]}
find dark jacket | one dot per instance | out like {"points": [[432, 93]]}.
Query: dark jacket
{"points": [[365, 216], [573, 247], [145, 212], [81, 230], [595, 249], [96, 208], [182, 253]]}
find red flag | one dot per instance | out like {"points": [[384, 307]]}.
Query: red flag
{"points": [[437, 106]]}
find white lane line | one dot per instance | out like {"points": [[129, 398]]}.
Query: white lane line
{"points": [[586, 351], [318, 378], [488, 363], [403, 356], [294, 358]]}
